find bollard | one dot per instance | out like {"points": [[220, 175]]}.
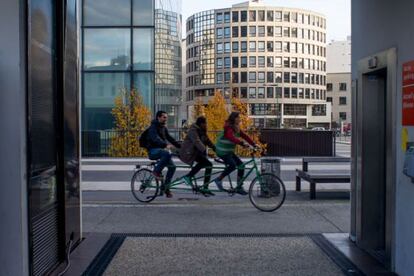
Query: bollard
{"points": [[271, 165]]}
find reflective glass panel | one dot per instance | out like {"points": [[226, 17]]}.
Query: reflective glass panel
{"points": [[107, 49], [143, 12], [143, 49], [144, 83], [102, 13]]}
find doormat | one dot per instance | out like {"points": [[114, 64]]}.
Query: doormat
{"points": [[219, 254]]}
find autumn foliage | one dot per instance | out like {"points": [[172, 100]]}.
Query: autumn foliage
{"points": [[216, 112], [132, 117]]}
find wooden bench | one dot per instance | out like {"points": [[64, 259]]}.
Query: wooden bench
{"points": [[314, 178]]}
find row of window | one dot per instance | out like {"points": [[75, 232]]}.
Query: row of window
{"points": [[269, 31], [269, 77], [342, 100], [258, 46], [259, 61], [342, 86], [261, 16], [264, 93]]}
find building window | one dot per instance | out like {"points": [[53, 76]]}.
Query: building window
{"points": [[286, 62], [252, 46], [226, 62], [243, 77], [227, 32], [278, 16], [227, 77], [219, 78], [342, 86], [342, 100], [319, 110], [286, 32], [261, 46], [235, 16], [261, 92], [235, 47], [235, 77], [219, 63], [262, 31], [295, 109], [235, 31], [278, 46], [243, 16], [261, 61], [252, 16], [294, 62], [219, 32], [243, 62], [270, 62], [329, 87], [342, 116], [286, 93], [286, 47], [243, 31], [270, 31], [227, 48], [243, 92], [270, 16], [269, 92], [300, 93], [252, 61], [235, 62], [294, 77], [252, 92], [252, 77], [270, 77], [286, 17], [294, 92], [329, 99], [261, 15], [244, 46], [219, 18], [261, 77], [219, 48], [278, 62], [270, 46], [278, 77], [286, 77], [227, 17], [143, 13], [278, 31], [252, 31]]}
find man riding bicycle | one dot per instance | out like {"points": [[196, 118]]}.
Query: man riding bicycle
{"points": [[158, 148]]}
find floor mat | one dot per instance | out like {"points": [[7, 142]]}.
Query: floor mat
{"points": [[197, 254]]}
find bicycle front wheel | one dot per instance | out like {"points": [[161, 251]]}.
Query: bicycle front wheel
{"points": [[267, 192], [144, 186]]}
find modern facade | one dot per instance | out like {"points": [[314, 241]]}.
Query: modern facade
{"points": [[339, 83], [40, 198], [272, 58], [168, 62], [137, 46]]}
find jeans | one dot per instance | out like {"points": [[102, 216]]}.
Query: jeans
{"points": [[232, 161], [202, 162], [165, 160]]}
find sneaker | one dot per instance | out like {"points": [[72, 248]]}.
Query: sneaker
{"points": [[219, 184], [240, 190], [168, 194], [205, 191]]}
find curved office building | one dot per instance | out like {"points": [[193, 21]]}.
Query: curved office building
{"points": [[273, 58]]}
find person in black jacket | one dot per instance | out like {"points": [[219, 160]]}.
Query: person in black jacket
{"points": [[159, 148]]}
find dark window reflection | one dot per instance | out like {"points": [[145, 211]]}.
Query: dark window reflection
{"points": [[103, 13], [107, 49]]}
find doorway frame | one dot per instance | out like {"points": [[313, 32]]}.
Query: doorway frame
{"points": [[383, 60]]}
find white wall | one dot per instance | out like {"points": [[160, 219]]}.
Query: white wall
{"points": [[13, 195], [378, 25], [338, 56]]}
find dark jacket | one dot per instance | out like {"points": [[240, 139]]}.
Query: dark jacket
{"points": [[194, 143], [158, 136]]}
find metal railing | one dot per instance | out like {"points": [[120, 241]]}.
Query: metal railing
{"points": [[280, 142]]}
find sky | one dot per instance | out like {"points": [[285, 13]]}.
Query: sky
{"points": [[337, 12]]}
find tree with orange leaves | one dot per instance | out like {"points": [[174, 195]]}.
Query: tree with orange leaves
{"points": [[132, 117]]}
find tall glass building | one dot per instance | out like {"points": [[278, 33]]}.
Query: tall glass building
{"points": [[168, 63], [137, 45], [272, 58]]}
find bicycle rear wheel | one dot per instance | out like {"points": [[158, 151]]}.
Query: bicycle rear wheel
{"points": [[267, 192], [144, 186]]}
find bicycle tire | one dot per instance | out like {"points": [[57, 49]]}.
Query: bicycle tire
{"points": [[271, 189], [143, 181]]}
